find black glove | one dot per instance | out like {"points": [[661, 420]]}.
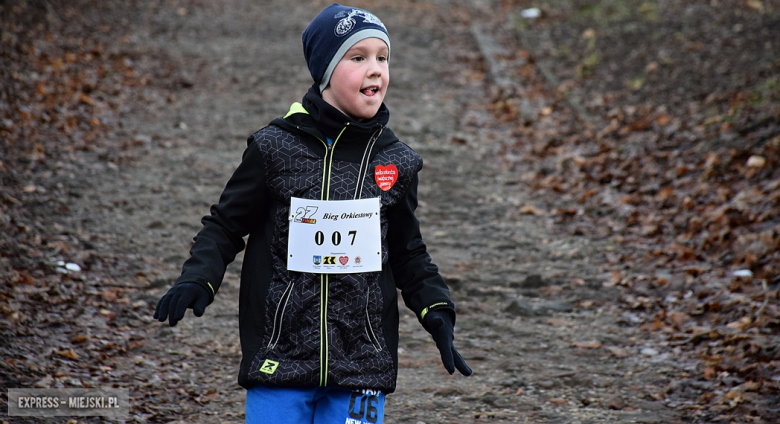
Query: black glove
{"points": [[178, 299], [440, 324]]}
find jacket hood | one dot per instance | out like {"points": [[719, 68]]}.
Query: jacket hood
{"points": [[316, 118]]}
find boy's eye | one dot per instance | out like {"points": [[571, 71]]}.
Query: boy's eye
{"points": [[358, 58]]}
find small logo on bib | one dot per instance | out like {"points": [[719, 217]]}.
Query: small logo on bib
{"points": [[386, 176]]}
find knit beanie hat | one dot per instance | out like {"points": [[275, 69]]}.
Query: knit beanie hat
{"points": [[334, 31]]}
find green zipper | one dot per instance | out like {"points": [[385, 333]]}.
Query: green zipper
{"points": [[323, 330], [327, 170], [327, 167]]}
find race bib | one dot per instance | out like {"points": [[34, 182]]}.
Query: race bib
{"points": [[334, 237]]}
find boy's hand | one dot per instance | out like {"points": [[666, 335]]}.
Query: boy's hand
{"points": [[441, 328], [178, 299]]}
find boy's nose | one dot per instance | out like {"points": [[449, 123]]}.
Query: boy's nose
{"points": [[375, 68]]}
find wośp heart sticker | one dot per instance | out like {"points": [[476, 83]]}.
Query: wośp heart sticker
{"points": [[343, 260], [386, 176]]}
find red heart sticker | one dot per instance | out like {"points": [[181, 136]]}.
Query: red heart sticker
{"points": [[386, 176], [343, 259]]}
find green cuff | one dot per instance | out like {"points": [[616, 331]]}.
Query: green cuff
{"points": [[434, 306]]}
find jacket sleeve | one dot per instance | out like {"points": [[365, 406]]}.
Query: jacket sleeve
{"points": [[422, 287], [221, 238]]}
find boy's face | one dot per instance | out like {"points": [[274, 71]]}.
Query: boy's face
{"points": [[359, 82]]}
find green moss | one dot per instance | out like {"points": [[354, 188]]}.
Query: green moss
{"points": [[589, 64], [636, 83], [649, 11]]}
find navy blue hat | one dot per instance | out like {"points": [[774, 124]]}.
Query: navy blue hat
{"points": [[334, 31]]}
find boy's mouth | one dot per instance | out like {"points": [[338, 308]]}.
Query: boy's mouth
{"points": [[370, 91]]}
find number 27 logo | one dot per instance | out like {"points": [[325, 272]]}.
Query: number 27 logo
{"points": [[304, 214]]}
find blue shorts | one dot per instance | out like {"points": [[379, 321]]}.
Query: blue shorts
{"points": [[315, 405]]}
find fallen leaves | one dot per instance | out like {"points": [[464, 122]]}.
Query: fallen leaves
{"points": [[616, 403], [531, 210], [558, 402], [704, 198], [703, 220], [587, 344], [79, 339], [66, 353], [67, 322], [688, 189], [618, 352]]}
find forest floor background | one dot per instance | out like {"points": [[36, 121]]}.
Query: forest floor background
{"points": [[601, 191]]}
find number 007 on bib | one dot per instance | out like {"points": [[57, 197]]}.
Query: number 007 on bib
{"points": [[334, 237]]}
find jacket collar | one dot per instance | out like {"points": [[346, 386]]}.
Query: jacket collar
{"points": [[331, 121], [317, 118]]}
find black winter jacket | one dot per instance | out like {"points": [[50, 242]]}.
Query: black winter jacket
{"points": [[303, 329]]}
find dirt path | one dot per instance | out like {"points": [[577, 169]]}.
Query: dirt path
{"points": [[545, 336]]}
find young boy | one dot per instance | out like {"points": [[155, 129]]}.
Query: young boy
{"points": [[327, 195]]}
